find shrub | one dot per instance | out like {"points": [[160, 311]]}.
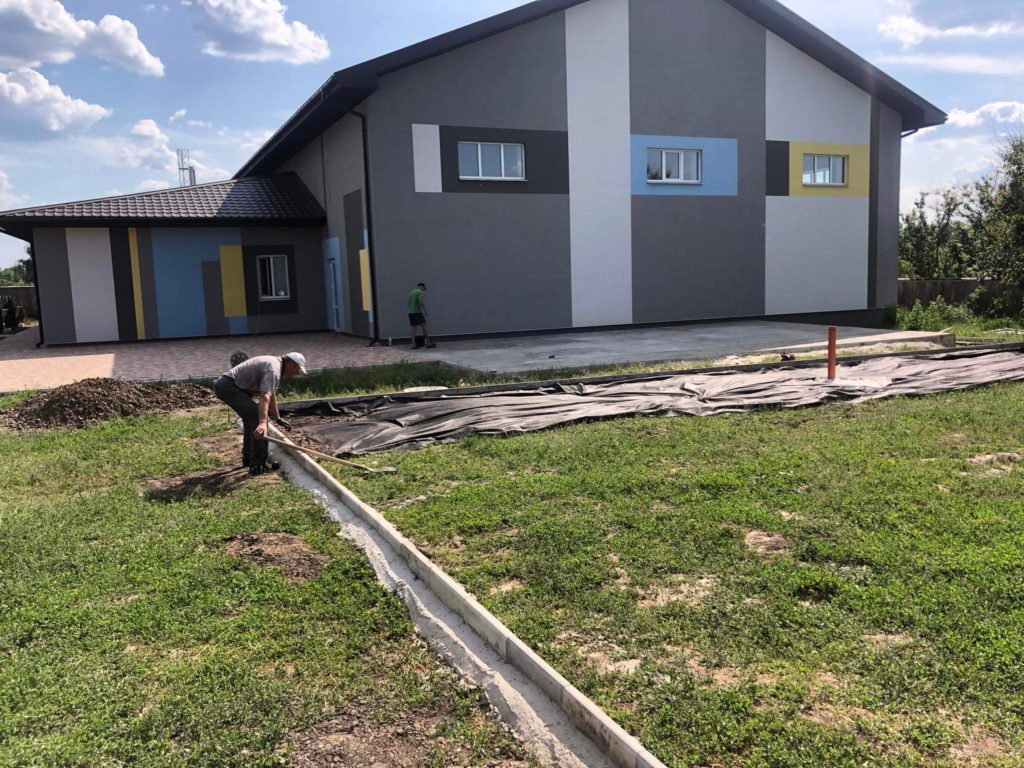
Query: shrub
{"points": [[937, 316]]}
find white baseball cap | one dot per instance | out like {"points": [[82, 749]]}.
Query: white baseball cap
{"points": [[299, 359]]}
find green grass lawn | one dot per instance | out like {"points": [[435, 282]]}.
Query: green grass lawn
{"points": [[128, 637], [887, 630]]}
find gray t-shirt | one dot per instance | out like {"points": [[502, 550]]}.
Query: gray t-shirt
{"points": [[257, 374]]}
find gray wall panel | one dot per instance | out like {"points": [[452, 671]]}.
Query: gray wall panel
{"points": [[888, 216], [492, 262], [57, 306], [213, 299], [691, 260], [697, 68]]}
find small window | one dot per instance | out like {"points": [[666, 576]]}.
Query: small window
{"points": [[485, 161], [674, 166], [825, 170], [273, 272]]}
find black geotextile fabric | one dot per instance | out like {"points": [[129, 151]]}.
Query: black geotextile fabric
{"points": [[376, 424]]}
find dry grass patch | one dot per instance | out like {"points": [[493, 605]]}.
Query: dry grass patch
{"points": [[886, 640], [507, 586], [980, 748]]}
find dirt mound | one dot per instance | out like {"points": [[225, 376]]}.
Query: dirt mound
{"points": [[410, 742], [93, 400], [297, 560]]}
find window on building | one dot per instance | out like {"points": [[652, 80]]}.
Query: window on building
{"points": [[273, 272], [825, 170], [674, 166], [484, 161]]}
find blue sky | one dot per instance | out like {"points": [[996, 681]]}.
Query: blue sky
{"points": [[95, 95]]}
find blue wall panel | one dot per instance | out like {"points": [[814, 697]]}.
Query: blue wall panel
{"points": [[178, 256], [720, 166], [332, 250]]}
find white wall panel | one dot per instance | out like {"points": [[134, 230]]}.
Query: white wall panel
{"points": [[600, 204], [807, 101], [816, 254], [92, 284], [426, 157]]}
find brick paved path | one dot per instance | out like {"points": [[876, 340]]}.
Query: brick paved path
{"points": [[22, 366]]}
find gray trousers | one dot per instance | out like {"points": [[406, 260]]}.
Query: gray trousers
{"points": [[254, 452]]}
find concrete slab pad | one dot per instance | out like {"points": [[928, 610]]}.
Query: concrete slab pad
{"points": [[684, 343]]}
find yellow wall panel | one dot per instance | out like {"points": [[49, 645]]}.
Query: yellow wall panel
{"points": [[858, 182], [364, 274], [232, 280], [140, 317]]}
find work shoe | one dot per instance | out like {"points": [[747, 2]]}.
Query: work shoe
{"points": [[261, 469]]}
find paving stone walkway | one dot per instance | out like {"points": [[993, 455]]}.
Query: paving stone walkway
{"points": [[22, 366]]}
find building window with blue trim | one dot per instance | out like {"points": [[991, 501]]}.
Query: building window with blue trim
{"points": [[487, 161], [674, 166], [273, 274]]}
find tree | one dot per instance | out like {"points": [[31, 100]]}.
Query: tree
{"points": [[934, 241], [22, 273]]}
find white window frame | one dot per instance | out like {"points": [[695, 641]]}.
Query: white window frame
{"points": [[273, 287], [480, 160], [677, 151], [846, 171]]}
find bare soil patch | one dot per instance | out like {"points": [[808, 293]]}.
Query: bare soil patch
{"points": [[765, 543], [217, 482], [996, 464], [226, 446], [290, 553], [980, 748], [680, 589], [94, 400], [409, 742]]}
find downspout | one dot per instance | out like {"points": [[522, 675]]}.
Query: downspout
{"points": [[369, 228]]}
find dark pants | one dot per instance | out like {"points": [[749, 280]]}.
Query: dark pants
{"points": [[254, 452]]}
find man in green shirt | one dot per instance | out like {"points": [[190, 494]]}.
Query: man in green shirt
{"points": [[418, 315]]}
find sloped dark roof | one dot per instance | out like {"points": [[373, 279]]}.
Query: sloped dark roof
{"points": [[278, 199], [347, 88]]}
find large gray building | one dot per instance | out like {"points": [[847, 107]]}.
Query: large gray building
{"points": [[568, 164]]}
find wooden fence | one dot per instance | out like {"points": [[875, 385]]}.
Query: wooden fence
{"points": [[25, 295], [953, 291]]}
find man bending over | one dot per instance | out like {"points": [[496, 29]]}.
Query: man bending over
{"points": [[257, 377]]}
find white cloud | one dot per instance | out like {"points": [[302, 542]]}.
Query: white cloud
{"points": [[909, 31], [177, 115], [199, 124], [966, 64], [147, 148], [34, 32], [31, 107], [151, 185], [959, 152], [256, 30], [995, 112], [8, 199]]}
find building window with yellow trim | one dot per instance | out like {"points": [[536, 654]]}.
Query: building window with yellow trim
{"points": [[825, 170], [273, 272]]}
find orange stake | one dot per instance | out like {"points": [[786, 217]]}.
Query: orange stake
{"points": [[831, 353]]}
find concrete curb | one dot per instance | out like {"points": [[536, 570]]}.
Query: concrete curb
{"points": [[622, 749]]}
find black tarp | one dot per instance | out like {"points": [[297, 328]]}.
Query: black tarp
{"points": [[382, 423]]}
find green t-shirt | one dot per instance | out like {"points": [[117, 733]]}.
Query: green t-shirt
{"points": [[414, 302]]}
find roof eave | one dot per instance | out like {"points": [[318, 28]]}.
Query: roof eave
{"points": [[25, 225]]}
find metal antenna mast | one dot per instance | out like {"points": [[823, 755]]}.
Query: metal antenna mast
{"points": [[186, 171]]}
